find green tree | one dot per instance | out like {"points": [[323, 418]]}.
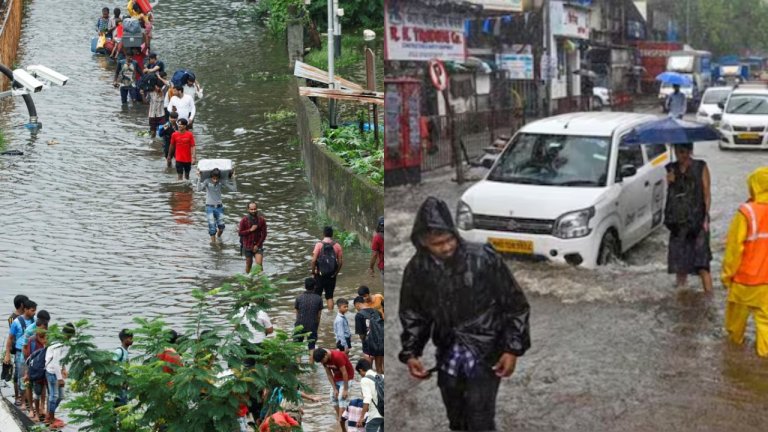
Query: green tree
{"points": [[723, 26], [196, 396]]}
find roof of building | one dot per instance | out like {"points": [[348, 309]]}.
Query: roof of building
{"points": [[587, 123]]}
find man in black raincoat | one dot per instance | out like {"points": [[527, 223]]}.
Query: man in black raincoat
{"points": [[465, 298]]}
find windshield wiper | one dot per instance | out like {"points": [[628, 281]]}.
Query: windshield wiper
{"points": [[755, 107], [733, 111], [578, 183], [520, 180]]}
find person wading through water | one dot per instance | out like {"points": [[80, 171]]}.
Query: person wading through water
{"points": [[745, 269], [464, 297], [687, 217], [253, 232]]}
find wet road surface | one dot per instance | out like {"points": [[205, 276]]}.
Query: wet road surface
{"points": [[617, 349], [97, 228]]}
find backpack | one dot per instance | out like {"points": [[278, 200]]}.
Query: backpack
{"points": [[378, 380], [36, 364], [327, 262], [375, 337], [684, 206], [147, 82], [180, 77], [131, 25], [123, 353]]}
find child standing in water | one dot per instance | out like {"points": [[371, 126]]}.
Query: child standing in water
{"points": [[156, 110]]}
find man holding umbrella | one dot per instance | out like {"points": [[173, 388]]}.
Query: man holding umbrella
{"points": [[676, 103]]}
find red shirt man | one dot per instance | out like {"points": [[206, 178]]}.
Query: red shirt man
{"points": [[183, 148], [377, 246], [184, 142], [253, 232], [336, 361]]}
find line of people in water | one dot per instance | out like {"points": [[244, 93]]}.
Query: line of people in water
{"points": [[141, 78]]}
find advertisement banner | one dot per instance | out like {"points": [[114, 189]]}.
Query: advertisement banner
{"points": [[413, 32], [519, 63]]}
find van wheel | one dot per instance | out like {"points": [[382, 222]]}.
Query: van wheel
{"points": [[609, 249]]}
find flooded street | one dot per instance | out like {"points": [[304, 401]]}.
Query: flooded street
{"points": [[617, 349], [96, 227]]}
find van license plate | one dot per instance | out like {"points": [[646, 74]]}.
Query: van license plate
{"points": [[749, 135], [512, 246]]}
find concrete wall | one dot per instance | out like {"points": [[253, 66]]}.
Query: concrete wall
{"points": [[353, 201], [11, 418]]}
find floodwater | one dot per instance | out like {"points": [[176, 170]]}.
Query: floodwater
{"points": [[617, 349], [97, 228]]}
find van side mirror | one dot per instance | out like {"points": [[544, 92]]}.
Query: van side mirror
{"points": [[627, 171], [721, 105], [717, 117]]}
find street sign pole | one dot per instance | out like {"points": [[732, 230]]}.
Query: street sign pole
{"points": [[331, 52], [370, 75]]}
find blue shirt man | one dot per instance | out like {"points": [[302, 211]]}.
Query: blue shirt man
{"points": [[677, 103]]}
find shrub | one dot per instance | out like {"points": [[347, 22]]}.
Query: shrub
{"points": [[194, 397], [358, 149]]}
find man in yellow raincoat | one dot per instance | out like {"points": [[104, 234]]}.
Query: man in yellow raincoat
{"points": [[745, 266]]}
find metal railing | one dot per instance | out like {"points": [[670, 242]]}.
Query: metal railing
{"points": [[473, 132]]}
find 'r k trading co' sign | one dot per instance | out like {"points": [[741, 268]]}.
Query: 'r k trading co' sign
{"points": [[417, 33]]}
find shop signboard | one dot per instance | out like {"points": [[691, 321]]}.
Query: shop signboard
{"points": [[569, 21], [500, 5], [414, 32]]}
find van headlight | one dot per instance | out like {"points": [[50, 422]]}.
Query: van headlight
{"points": [[464, 216], [726, 127], [574, 224]]}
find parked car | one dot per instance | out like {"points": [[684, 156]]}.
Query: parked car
{"points": [[566, 190], [601, 98], [744, 118], [709, 106]]}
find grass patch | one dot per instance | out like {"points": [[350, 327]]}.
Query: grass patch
{"points": [[2, 140], [280, 115], [299, 164], [346, 239], [352, 54], [359, 151], [272, 13]]}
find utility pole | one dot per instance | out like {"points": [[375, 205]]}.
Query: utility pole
{"points": [[687, 21], [548, 57], [331, 52]]}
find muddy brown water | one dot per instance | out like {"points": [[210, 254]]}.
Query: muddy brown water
{"points": [[97, 228], [616, 349]]}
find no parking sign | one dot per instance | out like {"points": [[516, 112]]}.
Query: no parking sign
{"points": [[438, 74]]}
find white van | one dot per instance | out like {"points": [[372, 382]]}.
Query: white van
{"points": [[565, 189]]}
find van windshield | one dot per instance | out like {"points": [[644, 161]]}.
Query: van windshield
{"points": [[556, 160], [713, 97]]}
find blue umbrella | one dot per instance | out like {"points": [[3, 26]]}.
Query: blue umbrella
{"points": [[674, 78], [670, 131]]}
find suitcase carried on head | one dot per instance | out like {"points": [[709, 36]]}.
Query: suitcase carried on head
{"points": [[132, 40]]}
